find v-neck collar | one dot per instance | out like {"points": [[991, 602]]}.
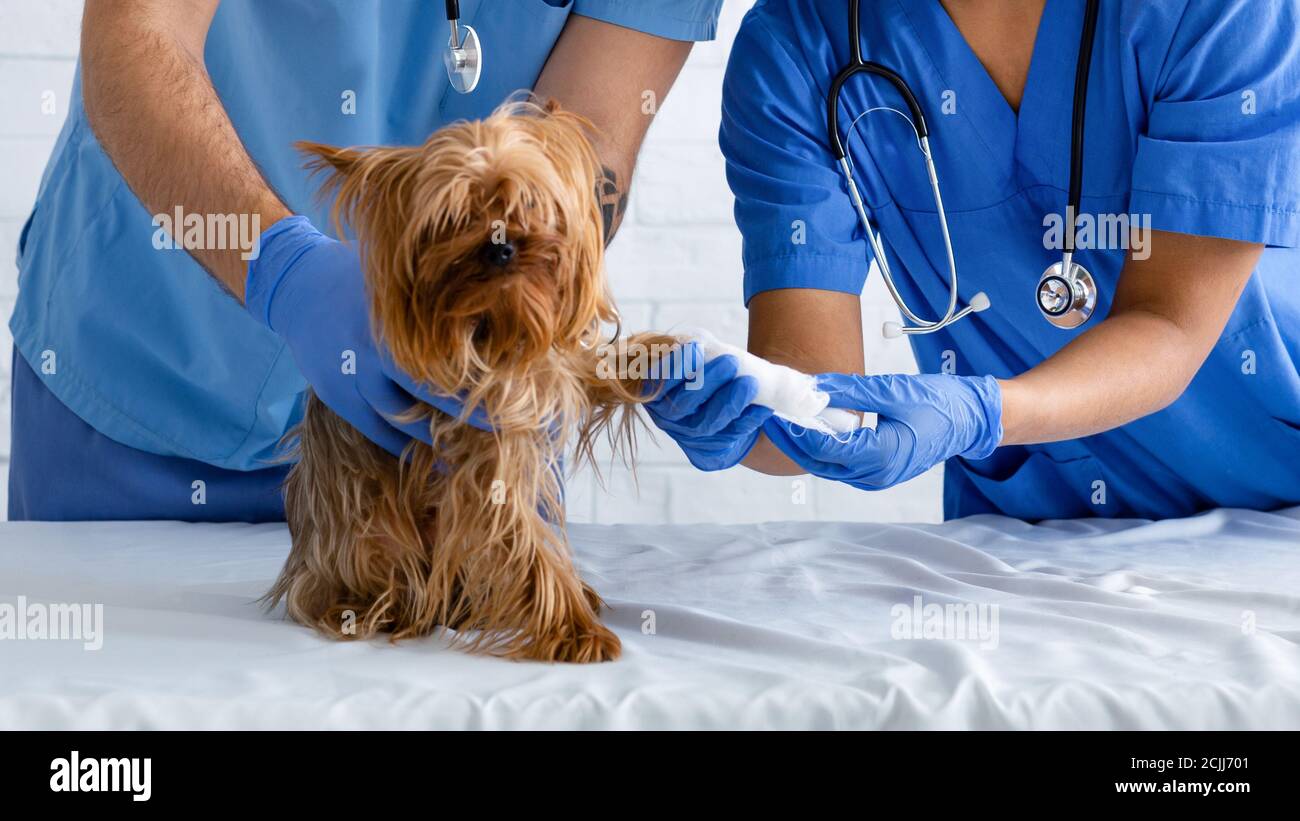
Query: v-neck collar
{"points": [[1012, 142], [976, 65]]}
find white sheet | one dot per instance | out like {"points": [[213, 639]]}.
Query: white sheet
{"points": [[1102, 624]]}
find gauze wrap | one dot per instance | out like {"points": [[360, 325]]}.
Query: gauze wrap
{"points": [[791, 394]]}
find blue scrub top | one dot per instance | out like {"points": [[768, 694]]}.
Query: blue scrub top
{"points": [[1193, 119], [141, 343]]}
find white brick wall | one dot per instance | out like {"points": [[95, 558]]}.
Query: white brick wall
{"points": [[676, 263], [38, 51]]}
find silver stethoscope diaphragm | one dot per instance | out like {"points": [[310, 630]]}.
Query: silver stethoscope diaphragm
{"points": [[463, 56], [1067, 294]]}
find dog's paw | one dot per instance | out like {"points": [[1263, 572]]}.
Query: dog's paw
{"points": [[599, 644], [592, 642]]}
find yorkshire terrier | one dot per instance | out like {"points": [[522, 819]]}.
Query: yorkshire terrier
{"points": [[483, 252]]}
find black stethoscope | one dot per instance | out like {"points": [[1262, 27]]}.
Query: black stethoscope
{"points": [[464, 55], [1066, 292]]}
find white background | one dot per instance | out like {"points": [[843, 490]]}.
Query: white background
{"points": [[675, 263]]}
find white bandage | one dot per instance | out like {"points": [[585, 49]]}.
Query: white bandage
{"points": [[791, 394]]}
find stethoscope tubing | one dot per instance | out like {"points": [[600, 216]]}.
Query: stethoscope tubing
{"points": [[1079, 116], [857, 65]]}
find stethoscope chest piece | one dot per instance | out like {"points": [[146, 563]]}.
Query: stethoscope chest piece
{"points": [[463, 58], [1067, 301]]}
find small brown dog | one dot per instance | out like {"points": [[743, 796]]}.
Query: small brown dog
{"points": [[483, 251]]}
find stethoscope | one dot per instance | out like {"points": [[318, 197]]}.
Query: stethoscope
{"points": [[1066, 292], [464, 55]]}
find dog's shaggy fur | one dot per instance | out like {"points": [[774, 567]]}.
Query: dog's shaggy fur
{"points": [[467, 534]]}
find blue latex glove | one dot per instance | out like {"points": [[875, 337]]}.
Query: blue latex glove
{"points": [[922, 421], [310, 290], [706, 409]]}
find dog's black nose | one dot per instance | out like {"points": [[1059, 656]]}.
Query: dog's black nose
{"points": [[499, 254]]}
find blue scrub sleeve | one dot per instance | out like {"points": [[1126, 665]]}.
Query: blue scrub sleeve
{"points": [[799, 227], [1221, 152], [671, 19]]}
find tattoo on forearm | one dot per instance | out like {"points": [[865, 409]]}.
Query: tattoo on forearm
{"points": [[613, 202]]}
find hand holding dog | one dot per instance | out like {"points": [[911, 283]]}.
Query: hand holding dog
{"points": [[310, 290], [711, 418]]}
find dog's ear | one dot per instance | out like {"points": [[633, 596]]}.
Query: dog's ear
{"points": [[366, 183], [338, 159]]}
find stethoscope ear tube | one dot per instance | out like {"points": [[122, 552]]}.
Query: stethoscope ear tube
{"points": [[857, 66]]}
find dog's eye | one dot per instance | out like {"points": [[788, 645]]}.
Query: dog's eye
{"points": [[498, 254]]}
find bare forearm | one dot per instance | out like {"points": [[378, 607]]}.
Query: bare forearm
{"points": [[185, 153], [1130, 365], [808, 330], [616, 78], [765, 457], [1168, 313]]}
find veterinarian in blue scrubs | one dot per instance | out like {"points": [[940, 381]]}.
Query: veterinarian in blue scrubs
{"points": [[1181, 393], [142, 388]]}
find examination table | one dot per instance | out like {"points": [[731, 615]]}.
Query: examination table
{"points": [[1191, 623]]}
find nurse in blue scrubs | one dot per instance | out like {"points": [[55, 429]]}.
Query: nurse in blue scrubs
{"points": [[148, 387], [1181, 393]]}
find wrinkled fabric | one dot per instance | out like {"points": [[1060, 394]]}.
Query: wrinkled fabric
{"points": [[1101, 624]]}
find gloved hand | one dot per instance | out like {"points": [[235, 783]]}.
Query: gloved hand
{"points": [[922, 421], [706, 409], [310, 290]]}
